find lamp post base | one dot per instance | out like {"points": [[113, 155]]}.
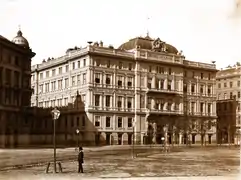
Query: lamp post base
{"points": [[60, 170]]}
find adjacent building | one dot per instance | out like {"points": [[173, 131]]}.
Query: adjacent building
{"points": [[145, 88], [15, 89], [229, 89]]}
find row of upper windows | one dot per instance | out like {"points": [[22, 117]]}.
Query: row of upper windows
{"points": [[61, 70], [232, 95], [151, 68], [230, 84], [60, 102], [120, 122]]}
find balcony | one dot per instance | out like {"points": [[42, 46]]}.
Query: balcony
{"points": [[155, 90]]}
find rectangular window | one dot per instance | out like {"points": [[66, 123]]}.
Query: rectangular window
{"points": [[209, 90], [66, 82], [209, 108], [149, 83], [170, 71], [219, 85], [108, 63], [119, 122], [193, 88], [120, 65], [129, 83], [60, 70], [162, 84], [130, 122], [201, 89], [150, 68], [53, 72], [67, 68], [84, 62], [239, 94], [97, 62], [47, 74], [238, 83], [119, 81], [107, 101], [73, 80], [46, 87], [119, 102], [201, 107], [169, 86], [97, 78], [73, 65], [41, 76], [78, 79], [97, 100], [107, 122], [231, 84], [130, 66], [107, 80], [97, 121], [129, 102], [201, 75], [78, 64], [225, 85]]}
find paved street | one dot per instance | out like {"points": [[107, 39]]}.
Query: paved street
{"points": [[150, 162]]}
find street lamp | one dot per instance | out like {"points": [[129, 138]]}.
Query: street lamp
{"points": [[55, 115], [77, 132], [133, 137]]}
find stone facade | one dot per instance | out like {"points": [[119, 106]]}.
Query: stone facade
{"points": [[144, 88], [15, 90], [228, 88]]}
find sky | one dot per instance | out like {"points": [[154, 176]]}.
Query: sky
{"points": [[205, 30]]}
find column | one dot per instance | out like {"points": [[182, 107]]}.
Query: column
{"points": [[152, 103], [114, 101], [165, 83], [153, 82], [111, 102], [180, 138], [114, 79]]}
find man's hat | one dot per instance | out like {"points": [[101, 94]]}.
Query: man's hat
{"points": [[80, 148]]}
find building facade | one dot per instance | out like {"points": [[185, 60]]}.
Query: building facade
{"points": [[228, 88], [15, 89], [145, 88], [226, 122]]}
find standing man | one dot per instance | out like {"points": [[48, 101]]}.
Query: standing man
{"points": [[81, 160]]}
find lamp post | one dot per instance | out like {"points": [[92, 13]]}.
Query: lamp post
{"points": [[77, 132], [133, 137], [55, 114]]}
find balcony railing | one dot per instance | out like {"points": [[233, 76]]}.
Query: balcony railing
{"points": [[155, 90], [160, 111]]}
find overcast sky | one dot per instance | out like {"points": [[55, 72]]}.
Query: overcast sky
{"points": [[205, 30]]}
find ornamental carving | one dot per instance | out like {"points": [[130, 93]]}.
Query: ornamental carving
{"points": [[159, 45]]}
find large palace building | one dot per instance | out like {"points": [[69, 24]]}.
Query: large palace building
{"points": [[228, 91], [15, 89], [144, 88]]}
